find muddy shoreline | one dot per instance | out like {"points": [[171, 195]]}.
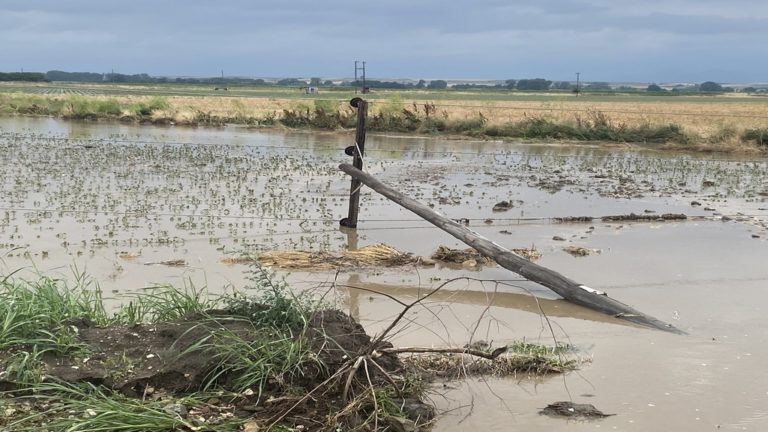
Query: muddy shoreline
{"points": [[203, 120]]}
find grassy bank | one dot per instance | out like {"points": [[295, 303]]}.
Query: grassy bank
{"points": [[177, 359], [694, 124]]}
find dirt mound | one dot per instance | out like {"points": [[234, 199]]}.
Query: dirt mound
{"points": [[170, 355], [168, 360]]}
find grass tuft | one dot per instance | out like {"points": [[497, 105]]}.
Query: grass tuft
{"points": [[521, 358]]}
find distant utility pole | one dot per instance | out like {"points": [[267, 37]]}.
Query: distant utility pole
{"points": [[578, 75], [362, 69]]}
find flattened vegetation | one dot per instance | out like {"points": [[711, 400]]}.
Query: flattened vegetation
{"points": [[378, 255]]}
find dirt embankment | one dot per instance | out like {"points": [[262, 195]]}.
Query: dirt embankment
{"points": [[170, 360]]}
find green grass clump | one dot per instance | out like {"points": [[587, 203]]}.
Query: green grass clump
{"points": [[87, 407], [162, 303], [271, 347], [39, 313], [594, 127], [469, 125], [37, 317], [325, 114], [145, 109], [255, 343], [521, 357], [274, 358], [757, 135], [81, 107]]}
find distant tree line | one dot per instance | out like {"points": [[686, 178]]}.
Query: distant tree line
{"points": [[22, 76], [705, 87], [534, 84]]}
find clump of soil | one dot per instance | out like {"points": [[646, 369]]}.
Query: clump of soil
{"points": [[470, 255], [579, 251], [459, 256], [573, 410], [502, 206]]}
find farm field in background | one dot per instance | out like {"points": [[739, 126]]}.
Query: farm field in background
{"points": [[716, 120]]}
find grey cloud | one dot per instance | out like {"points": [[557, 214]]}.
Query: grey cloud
{"points": [[483, 38]]}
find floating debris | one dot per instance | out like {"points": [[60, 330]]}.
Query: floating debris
{"points": [[579, 251], [170, 263], [378, 255], [573, 219], [573, 410], [502, 206], [459, 256], [466, 256], [633, 217]]}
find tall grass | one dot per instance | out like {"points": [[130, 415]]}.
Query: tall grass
{"points": [[255, 342], [87, 407], [162, 303], [757, 135], [266, 346], [41, 312], [595, 126]]}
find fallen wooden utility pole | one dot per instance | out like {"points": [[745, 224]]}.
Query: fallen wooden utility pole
{"points": [[566, 288]]}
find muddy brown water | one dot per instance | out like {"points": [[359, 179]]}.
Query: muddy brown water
{"points": [[114, 201]]}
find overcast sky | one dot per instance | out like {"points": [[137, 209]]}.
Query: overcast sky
{"points": [[605, 40]]}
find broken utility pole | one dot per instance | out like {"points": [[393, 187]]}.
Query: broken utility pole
{"points": [[357, 152], [566, 288]]}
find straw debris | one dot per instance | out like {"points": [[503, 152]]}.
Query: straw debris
{"points": [[378, 255]]}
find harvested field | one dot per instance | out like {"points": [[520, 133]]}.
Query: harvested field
{"points": [[731, 123]]}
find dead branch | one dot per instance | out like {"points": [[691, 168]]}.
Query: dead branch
{"points": [[377, 341], [473, 352]]}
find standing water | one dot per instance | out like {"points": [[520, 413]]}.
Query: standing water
{"points": [[133, 207]]}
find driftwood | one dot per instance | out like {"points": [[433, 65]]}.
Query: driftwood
{"points": [[566, 288]]}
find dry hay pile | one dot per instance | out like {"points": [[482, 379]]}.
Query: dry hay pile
{"points": [[378, 255], [470, 255]]}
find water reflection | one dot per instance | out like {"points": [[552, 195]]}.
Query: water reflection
{"points": [[358, 289]]}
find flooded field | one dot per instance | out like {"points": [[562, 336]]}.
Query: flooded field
{"points": [[133, 207]]}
